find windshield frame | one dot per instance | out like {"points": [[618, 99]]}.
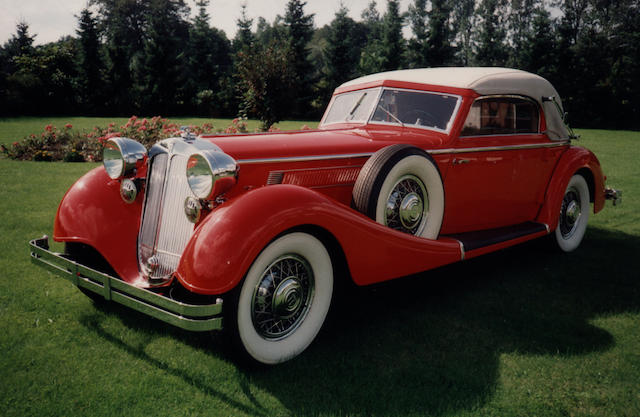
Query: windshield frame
{"points": [[376, 102]]}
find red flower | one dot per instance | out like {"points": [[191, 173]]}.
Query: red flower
{"points": [[68, 126], [15, 143], [48, 128]]}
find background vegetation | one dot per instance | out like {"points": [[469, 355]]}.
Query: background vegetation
{"points": [[133, 56], [522, 332]]}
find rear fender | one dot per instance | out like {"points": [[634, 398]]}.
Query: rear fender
{"points": [[225, 244], [575, 160]]}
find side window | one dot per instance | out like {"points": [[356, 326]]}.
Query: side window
{"points": [[501, 116]]}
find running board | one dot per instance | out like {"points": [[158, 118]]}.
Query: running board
{"points": [[483, 238]]}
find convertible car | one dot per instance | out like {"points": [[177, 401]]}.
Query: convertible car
{"points": [[408, 171]]}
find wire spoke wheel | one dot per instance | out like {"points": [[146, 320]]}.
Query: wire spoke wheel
{"points": [[282, 298], [407, 206]]}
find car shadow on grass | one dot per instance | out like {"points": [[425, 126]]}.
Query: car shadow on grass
{"points": [[431, 343]]}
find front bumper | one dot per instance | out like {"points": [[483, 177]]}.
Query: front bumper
{"points": [[194, 317]]}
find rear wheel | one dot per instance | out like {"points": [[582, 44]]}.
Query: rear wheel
{"points": [[574, 214], [284, 298]]}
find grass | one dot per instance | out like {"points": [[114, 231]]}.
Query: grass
{"points": [[522, 332]]}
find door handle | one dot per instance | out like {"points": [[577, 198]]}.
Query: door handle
{"points": [[457, 161]]}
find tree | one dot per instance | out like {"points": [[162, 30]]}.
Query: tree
{"points": [[392, 40], [464, 20], [342, 51], [123, 23], [90, 66], [265, 82], [491, 34], [244, 37], [20, 44], [299, 32], [159, 69], [417, 48], [520, 25], [372, 56], [440, 52], [209, 66]]}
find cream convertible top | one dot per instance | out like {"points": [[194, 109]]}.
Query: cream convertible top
{"points": [[485, 81]]}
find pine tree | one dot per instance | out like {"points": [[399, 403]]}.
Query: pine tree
{"points": [[341, 53], [371, 57], [299, 32], [417, 48], [90, 65], [159, 69], [244, 37], [491, 34], [392, 40], [440, 52], [464, 20]]}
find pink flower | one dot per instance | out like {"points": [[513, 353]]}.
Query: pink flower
{"points": [[305, 127], [48, 128], [68, 126], [15, 143]]}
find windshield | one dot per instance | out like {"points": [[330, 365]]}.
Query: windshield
{"points": [[394, 106], [353, 107]]}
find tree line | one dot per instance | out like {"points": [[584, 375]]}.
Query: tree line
{"points": [[151, 57]]}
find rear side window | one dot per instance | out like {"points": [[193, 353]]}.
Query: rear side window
{"points": [[502, 116]]}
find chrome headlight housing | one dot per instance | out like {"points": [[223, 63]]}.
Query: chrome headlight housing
{"points": [[210, 173], [121, 156]]}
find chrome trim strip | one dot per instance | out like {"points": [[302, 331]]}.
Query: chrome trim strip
{"points": [[430, 151], [194, 317], [546, 226], [304, 158]]}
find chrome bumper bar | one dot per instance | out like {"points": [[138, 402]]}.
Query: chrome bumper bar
{"points": [[194, 317], [614, 195]]}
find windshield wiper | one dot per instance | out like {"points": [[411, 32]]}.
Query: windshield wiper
{"points": [[355, 107], [381, 107]]}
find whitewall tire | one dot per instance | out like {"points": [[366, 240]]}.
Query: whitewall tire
{"points": [[285, 298], [574, 214], [400, 186]]}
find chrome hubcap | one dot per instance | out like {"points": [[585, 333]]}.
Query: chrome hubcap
{"points": [[570, 213], [407, 206], [282, 297], [287, 298]]}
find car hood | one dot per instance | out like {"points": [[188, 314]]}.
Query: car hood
{"points": [[320, 142]]}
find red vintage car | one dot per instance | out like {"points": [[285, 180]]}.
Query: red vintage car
{"points": [[408, 171]]}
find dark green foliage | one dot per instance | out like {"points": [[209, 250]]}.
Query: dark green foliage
{"points": [[149, 56], [492, 34], [299, 30], [266, 82], [90, 65], [342, 51], [393, 44], [208, 67]]}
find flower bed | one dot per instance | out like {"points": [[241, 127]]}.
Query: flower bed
{"points": [[69, 145]]}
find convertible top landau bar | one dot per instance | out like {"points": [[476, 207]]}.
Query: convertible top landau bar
{"points": [[193, 317]]}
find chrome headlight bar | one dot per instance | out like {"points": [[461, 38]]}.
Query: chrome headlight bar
{"points": [[121, 156]]}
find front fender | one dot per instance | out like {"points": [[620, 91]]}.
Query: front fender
{"points": [[92, 212], [574, 160], [225, 244]]}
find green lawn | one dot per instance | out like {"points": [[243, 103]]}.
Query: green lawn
{"points": [[523, 332]]}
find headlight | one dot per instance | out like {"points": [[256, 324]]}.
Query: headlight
{"points": [[210, 173], [121, 156]]}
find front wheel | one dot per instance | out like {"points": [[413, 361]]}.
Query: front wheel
{"points": [[284, 298], [574, 214]]}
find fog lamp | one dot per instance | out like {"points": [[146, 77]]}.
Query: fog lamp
{"points": [[193, 209], [128, 190]]}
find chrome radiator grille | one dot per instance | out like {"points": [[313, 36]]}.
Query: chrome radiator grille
{"points": [[165, 230]]}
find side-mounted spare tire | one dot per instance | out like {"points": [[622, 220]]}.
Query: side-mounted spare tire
{"points": [[400, 186]]}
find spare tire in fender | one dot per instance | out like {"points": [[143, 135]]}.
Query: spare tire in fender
{"points": [[400, 186]]}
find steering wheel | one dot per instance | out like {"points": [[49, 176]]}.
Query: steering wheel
{"points": [[421, 117]]}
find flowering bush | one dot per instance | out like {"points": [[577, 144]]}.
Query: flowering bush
{"points": [[70, 145]]}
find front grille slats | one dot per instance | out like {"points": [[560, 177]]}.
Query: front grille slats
{"points": [[165, 229]]}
